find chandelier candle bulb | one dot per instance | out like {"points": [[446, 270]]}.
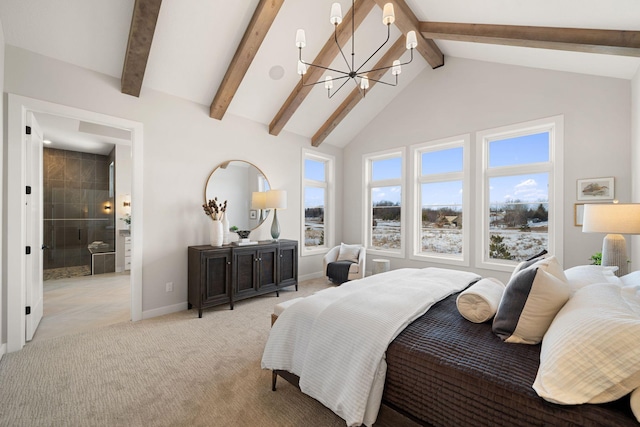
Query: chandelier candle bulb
{"points": [[301, 40], [336, 14], [397, 68], [328, 82], [302, 69], [412, 41], [388, 17], [364, 82]]}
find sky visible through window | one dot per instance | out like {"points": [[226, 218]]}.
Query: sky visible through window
{"points": [[314, 170], [505, 152]]}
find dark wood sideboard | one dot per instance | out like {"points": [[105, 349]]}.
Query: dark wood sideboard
{"points": [[224, 275]]}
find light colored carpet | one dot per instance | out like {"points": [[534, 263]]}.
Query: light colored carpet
{"points": [[175, 370]]}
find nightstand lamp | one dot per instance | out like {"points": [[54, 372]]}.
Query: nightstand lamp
{"points": [[615, 219]]}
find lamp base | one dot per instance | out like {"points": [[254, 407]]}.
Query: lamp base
{"points": [[614, 253], [275, 227]]}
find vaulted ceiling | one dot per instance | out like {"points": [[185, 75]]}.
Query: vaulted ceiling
{"points": [[240, 58]]}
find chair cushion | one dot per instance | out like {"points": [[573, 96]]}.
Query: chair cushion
{"points": [[349, 252]]}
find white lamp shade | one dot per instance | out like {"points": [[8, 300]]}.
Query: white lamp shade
{"points": [[336, 14], [328, 82], [276, 199], [412, 41], [617, 218], [301, 39], [388, 17], [397, 68], [258, 200], [364, 82], [302, 69]]}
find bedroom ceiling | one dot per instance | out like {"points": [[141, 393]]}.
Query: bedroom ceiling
{"points": [[195, 41]]}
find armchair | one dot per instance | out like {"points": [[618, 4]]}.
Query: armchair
{"points": [[356, 270]]}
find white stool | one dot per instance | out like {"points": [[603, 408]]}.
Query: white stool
{"points": [[381, 265]]}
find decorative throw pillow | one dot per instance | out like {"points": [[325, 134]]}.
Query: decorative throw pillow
{"points": [[590, 353], [349, 253], [479, 302], [631, 279], [550, 265], [529, 303], [584, 275]]}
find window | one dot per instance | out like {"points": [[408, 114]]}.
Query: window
{"points": [[317, 198], [521, 195], [384, 174], [441, 172]]}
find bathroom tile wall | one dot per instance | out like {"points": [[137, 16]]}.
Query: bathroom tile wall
{"points": [[76, 196]]}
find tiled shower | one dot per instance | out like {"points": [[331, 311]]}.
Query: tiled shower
{"points": [[78, 207]]}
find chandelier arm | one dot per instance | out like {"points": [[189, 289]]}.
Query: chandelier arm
{"points": [[386, 68], [385, 83], [325, 68], [345, 82], [335, 37], [378, 49], [322, 81]]}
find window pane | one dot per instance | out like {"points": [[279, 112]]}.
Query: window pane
{"points": [[386, 232], [442, 161], [386, 169], [314, 169], [519, 150], [313, 216], [441, 230], [518, 216]]}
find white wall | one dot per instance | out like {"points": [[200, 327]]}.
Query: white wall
{"points": [[635, 161], [182, 145], [3, 290], [467, 96]]}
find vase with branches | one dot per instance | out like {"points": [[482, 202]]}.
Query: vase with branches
{"points": [[216, 211]]}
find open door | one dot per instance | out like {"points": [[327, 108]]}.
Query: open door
{"points": [[34, 226]]}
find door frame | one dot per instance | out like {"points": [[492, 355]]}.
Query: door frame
{"points": [[18, 106]]}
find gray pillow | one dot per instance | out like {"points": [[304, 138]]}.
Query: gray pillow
{"points": [[530, 301]]}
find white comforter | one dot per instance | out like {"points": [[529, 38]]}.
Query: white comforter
{"points": [[336, 339]]}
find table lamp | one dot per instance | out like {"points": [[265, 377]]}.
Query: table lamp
{"points": [[615, 219], [276, 199]]}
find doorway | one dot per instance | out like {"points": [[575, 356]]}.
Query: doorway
{"points": [[18, 108]]}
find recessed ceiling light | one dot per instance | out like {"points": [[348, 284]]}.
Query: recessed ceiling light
{"points": [[276, 72], [46, 141]]}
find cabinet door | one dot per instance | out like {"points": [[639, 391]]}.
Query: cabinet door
{"points": [[288, 265], [268, 268], [245, 271], [217, 277]]}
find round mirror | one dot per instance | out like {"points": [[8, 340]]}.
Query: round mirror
{"points": [[236, 181]]}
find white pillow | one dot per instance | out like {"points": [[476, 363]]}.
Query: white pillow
{"points": [[584, 275], [480, 301], [349, 252], [591, 352], [631, 279], [529, 303]]}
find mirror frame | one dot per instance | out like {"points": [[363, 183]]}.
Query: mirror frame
{"points": [[223, 165]]}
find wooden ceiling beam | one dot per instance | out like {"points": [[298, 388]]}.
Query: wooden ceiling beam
{"points": [[394, 52], [327, 54], [611, 42], [253, 37], [143, 26], [407, 21]]}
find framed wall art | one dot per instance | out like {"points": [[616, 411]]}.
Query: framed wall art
{"points": [[595, 189]]}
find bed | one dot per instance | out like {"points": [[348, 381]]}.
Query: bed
{"points": [[442, 369]]}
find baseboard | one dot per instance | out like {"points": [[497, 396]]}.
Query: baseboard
{"points": [[310, 276], [164, 310], [3, 350]]}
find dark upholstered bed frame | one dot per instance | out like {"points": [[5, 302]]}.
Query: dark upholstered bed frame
{"points": [[443, 370]]}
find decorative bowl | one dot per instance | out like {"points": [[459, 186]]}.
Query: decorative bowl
{"points": [[243, 234]]}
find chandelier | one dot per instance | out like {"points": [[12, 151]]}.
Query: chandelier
{"points": [[388, 17]]}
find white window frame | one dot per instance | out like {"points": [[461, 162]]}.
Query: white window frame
{"points": [[367, 160], [329, 201], [554, 167], [464, 175]]}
